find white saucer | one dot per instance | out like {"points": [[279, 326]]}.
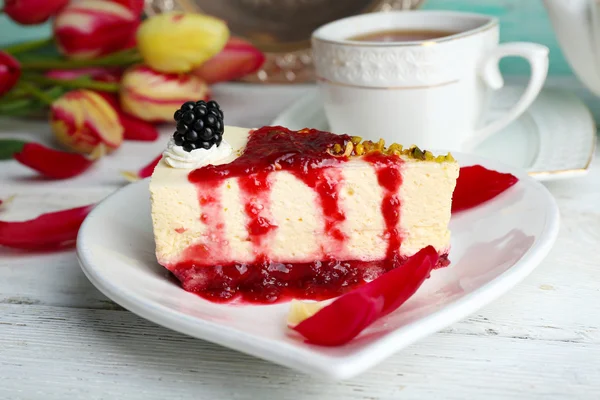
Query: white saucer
{"points": [[554, 139], [494, 246]]}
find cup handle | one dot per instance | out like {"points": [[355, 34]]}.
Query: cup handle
{"points": [[537, 56]]}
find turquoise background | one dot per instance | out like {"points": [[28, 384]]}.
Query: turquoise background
{"points": [[520, 20]]}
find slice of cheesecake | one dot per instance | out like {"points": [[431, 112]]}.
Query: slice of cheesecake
{"points": [[305, 214]]}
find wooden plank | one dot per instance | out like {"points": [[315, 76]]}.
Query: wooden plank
{"points": [[58, 352]]}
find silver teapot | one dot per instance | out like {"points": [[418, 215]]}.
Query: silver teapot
{"points": [[577, 27]]}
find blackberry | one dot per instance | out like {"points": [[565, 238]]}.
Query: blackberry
{"points": [[199, 125]]}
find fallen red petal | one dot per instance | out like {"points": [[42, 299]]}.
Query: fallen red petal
{"points": [[238, 59], [145, 172], [149, 169], [347, 316], [10, 72], [137, 129], [48, 231], [476, 185], [52, 163]]}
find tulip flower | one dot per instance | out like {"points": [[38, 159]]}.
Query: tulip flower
{"points": [[31, 12], [82, 120], [238, 59], [88, 29], [10, 71], [179, 42], [153, 96]]}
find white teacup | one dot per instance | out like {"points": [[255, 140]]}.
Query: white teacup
{"points": [[430, 93]]}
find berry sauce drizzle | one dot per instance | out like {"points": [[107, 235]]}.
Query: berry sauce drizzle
{"points": [[389, 178], [304, 154], [209, 197], [255, 190], [326, 183]]}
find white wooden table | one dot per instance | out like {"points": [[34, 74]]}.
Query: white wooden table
{"points": [[61, 339]]}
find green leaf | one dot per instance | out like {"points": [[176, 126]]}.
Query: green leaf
{"points": [[8, 147]]}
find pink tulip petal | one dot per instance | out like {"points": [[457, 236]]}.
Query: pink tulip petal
{"points": [[238, 59], [134, 128], [48, 231], [10, 72], [137, 129], [149, 169], [52, 163], [32, 12], [476, 185]]}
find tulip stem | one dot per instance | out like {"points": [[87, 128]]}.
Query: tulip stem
{"points": [[36, 92], [15, 106], [78, 83], [28, 46], [119, 59]]}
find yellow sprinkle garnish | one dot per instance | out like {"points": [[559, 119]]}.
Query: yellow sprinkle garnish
{"points": [[359, 149], [356, 139], [349, 149]]}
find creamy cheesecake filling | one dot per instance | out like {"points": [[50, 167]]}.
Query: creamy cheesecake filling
{"points": [[303, 223]]}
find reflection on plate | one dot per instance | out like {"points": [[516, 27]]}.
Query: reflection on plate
{"points": [[554, 139], [494, 246]]}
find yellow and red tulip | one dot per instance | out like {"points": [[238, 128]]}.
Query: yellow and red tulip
{"points": [[179, 42], [87, 29], [154, 96], [238, 59], [82, 120], [10, 71], [31, 12]]}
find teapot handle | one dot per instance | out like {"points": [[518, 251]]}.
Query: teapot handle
{"points": [[537, 56]]}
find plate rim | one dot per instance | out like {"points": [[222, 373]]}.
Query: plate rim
{"points": [[305, 359]]}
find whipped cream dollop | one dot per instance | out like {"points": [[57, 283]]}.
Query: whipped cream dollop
{"points": [[176, 157]]}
